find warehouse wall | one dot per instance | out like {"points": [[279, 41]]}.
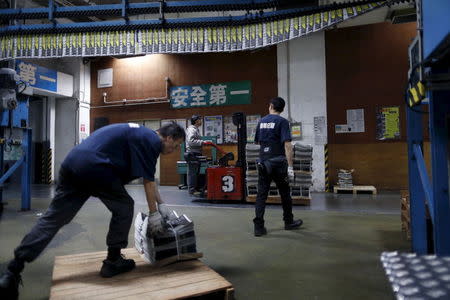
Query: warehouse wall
{"points": [[367, 68], [66, 114], [65, 130], [302, 81], [141, 77]]}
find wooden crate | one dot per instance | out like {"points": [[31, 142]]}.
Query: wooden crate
{"points": [[77, 277], [405, 214], [355, 189], [277, 200]]}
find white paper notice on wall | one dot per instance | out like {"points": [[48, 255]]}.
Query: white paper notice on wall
{"points": [[355, 120], [105, 78], [320, 130]]}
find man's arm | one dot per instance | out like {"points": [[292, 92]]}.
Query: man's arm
{"points": [[289, 153], [192, 137], [155, 220], [152, 195]]}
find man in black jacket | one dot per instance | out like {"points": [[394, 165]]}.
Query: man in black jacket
{"points": [[273, 134]]}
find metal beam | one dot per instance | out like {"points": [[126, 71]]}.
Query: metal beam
{"points": [[11, 170], [416, 193], [425, 180], [26, 169], [439, 111], [169, 7], [166, 23]]}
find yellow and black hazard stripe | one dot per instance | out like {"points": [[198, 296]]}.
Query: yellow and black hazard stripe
{"points": [[47, 166], [327, 180], [416, 94]]}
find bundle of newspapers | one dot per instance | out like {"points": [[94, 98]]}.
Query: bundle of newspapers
{"points": [[345, 178], [178, 238]]}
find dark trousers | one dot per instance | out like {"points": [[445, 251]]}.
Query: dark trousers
{"points": [[195, 180], [71, 194], [280, 176]]}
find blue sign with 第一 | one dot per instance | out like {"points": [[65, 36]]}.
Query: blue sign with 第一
{"points": [[36, 76]]}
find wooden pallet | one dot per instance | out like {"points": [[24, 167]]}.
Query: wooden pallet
{"points": [[77, 277], [277, 200], [355, 189]]}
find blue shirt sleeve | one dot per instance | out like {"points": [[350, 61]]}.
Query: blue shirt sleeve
{"points": [[285, 131], [257, 133], [145, 148]]}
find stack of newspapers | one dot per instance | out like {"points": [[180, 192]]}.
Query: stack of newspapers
{"points": [[345, 178], [178, 238]]}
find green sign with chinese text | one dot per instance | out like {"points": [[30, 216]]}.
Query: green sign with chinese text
{"points": [[207, 95]]}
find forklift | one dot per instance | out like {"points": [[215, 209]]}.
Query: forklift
{"points": [[225, 182]]}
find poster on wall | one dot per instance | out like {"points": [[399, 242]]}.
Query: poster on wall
{"points": [[296, 130], [181, 122], [355, 120], [388, 123], [229, 130], [213, 127], [320, 130], [252, 124]]}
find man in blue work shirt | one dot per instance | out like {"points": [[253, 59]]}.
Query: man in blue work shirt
{"points": [[273, 134], [100, 166]]}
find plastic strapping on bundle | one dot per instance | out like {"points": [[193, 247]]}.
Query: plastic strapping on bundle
{"points": [[141, 242], [175, 233]]}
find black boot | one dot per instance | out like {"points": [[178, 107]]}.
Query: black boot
{"points": [[113, 268], [9, 285], [260, 230], [293, 225]]}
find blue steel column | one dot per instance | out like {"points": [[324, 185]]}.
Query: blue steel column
{"points": [[439, 111], [26, 170], [1, 166], [416, 192]]}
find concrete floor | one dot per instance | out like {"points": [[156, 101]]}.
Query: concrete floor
{"points": [[335, 255]]}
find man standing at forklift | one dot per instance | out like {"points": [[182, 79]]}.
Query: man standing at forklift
{"points": [[275, 163], [196, 182]]}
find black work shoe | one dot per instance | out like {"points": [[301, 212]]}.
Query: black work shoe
{"points": [[293, 225], [113, 268], [196, 194], [9, 285], [260, 231]]}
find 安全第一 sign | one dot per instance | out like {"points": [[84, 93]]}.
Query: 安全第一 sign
{"points": [[217, 94]]}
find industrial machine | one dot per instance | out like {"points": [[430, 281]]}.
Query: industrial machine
{"points": [[223, 182], [429, 93], [14, 132], [226, 182]]}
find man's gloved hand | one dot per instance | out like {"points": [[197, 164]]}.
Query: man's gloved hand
{"points": [[164, 211], [155, 224], [291, 173], [207, 143]]}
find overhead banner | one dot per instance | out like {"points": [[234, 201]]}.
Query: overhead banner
{"points": [[174, 40], [218, 94]]}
